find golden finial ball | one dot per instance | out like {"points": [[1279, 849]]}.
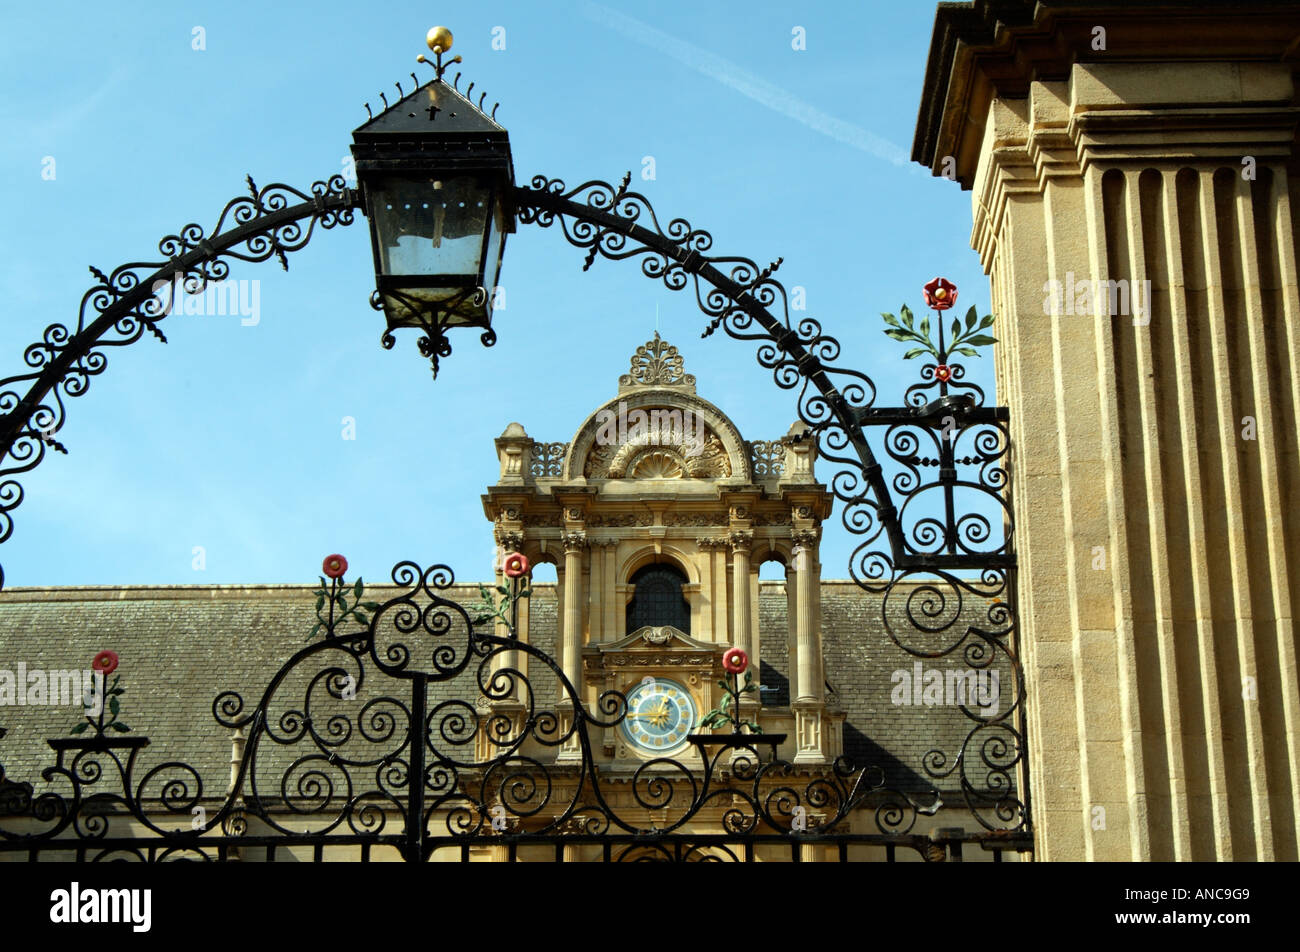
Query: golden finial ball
{"points": [[439, 39]]}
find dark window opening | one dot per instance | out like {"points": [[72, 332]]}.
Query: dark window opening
{"points": [[658, 599]]}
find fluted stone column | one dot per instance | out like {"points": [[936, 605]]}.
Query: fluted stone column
{"points": [[1135, 205]]}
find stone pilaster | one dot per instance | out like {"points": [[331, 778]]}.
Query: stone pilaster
{"points": [[574, 543], [808, 700], [1134, 206]]}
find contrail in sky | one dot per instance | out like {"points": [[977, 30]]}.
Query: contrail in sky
{"points": [[746, 83]]}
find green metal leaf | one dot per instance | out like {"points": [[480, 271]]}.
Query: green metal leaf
{"points": [[924, 329], [906, 314], [967, 351], [902, 335], [370, 606], [916, 352], [890, 319], [115, 708], [956, 328], [988, 319], [315, 628], [979, 340], [80, 727], [357, 589], [320, 603], [119, 726], [503, 590], [971, 317]]}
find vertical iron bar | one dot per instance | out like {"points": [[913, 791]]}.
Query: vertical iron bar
{"points": [[415, 780]]}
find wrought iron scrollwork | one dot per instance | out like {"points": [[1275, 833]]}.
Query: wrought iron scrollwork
{"points": [[944, 444], [422, 731], [134, 298], [948, 446]]}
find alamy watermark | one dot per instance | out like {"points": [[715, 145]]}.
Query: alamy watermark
{"points": [[37, 687], [952, 687], [242, 297], [659, 427], [1098, 298]]}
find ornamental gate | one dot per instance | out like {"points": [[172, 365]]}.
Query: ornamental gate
{"points": [[409, 729]]}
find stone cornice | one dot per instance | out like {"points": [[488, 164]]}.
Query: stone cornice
{"points": [[995, 49], [1130, 115]]}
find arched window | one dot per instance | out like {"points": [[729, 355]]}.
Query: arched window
{"points": [[658, 599]]}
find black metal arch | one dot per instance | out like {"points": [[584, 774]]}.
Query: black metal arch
{"points": [[125, 303], [835, 402], [841, 402]]}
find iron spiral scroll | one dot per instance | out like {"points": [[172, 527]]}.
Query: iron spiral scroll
{"points": [[422, 715], [944, 442], [266, 223]]}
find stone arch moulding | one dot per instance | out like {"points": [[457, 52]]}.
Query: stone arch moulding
{"points": [[585, 438], [779, 551], [649, 554]]}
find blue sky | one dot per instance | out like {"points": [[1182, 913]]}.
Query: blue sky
{"points": [[230, 437]]}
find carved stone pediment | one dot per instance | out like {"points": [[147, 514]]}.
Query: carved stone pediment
{"points": [[653, 644]]}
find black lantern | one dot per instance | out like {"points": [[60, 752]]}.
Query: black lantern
{"points": [[437, 178]]}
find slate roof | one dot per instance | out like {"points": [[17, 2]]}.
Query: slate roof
{"points": [[181, 646]]}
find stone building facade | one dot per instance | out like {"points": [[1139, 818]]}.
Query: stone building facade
{"points": [[657, 515], [1133, 176]]}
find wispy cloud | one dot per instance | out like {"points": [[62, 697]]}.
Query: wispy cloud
{"points": [[49, 127], [746, 83]]}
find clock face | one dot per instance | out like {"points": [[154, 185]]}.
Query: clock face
{"points": [[660, 713]]}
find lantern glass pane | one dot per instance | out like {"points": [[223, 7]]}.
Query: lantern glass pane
{"points": [[492, 254], [432, 226]]}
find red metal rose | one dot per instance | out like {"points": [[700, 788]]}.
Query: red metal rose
{"points": [[940, 294], [943, 373], [105, 662], [735, 661], [515, 565], [334, 566]]}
